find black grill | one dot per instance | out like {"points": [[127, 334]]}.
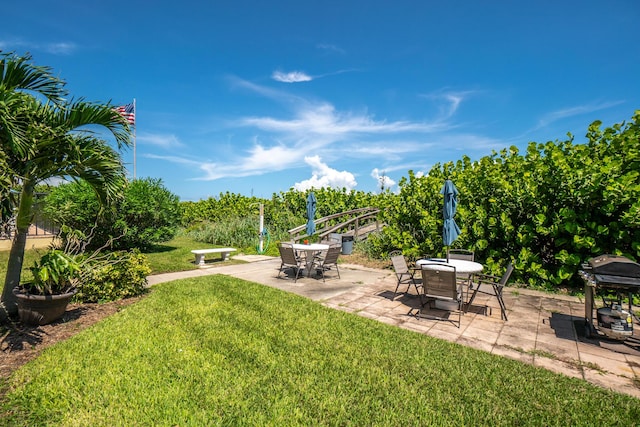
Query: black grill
{"points": [[612, 272]]}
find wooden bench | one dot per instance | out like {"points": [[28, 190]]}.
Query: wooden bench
{"points": [[200, 253]]}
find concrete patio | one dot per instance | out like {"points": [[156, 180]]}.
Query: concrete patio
{"points": [[543, 330]]}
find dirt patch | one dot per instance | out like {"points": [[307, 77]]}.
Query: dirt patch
{"points": [[359, 259]]}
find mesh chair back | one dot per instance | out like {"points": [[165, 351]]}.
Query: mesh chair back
{"points": [[288, 255], [399, 264], [461, 254], [439, 281], [332, 255], [505, 277]]}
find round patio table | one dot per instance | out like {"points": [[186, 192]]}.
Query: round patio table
{"points": [[463, 267], [311, 250]]}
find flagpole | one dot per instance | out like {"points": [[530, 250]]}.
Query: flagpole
{"points": [[134, 138]]}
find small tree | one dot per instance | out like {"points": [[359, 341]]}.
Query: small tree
{"points": [[41, 140]]}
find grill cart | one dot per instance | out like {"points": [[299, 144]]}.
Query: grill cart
{"points": [[621, 276]]}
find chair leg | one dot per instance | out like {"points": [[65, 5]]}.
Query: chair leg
{"points": [[473, 296], [280, 270], [503, 308]]}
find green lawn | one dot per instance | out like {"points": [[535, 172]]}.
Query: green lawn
{"points": [[222, 351]]}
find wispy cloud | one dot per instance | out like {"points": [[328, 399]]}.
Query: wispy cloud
{"points": [[452, 100], [323, 176], [577, 110], [160, 140], [331, 48], [323, 119], [317, 127], [291, 77], [56, 48], [301, 76]]}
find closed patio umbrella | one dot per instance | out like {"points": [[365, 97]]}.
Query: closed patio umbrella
{"points": [[311, 213], [450, 230]]}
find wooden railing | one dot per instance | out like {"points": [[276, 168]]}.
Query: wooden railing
{"points": [[358, 223]]}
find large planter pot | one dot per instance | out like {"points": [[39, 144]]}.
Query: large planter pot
{"points": [[41, 309]]}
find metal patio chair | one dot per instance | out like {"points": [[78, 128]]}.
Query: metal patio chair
{"points": [[497, 285], [460, 254], [439, 283], [404, 274], [330, 259], [289, 259]]}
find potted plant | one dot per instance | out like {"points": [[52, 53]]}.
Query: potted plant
{"points": [[45, 298]]}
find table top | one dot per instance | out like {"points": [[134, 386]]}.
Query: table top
{"points": [[462, 266], [310, 247]]}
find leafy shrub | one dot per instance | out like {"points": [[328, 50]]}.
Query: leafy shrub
{"points": [[146, 214], [113, 276], [376, 246]]}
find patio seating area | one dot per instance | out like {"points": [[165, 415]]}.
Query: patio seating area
{"points": [[543, 330]]}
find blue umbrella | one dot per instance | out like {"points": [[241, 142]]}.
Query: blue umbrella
{"points": [[311, 213], [450, 230]]}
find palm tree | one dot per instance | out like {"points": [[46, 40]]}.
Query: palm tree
{"points": [[42, 140]]}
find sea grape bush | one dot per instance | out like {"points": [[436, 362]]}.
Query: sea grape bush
{"points": [[547, 210]]}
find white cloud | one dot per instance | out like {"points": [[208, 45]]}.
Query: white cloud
{"points": [[56, 48], [453, 100], [382, 179], [291, 77], [574, 111], [323, 119], [62, 48], [331, 48], [159, 140], [324, 176], [319, 128]]}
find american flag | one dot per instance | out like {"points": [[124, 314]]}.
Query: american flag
{"points": [[128, 112]]}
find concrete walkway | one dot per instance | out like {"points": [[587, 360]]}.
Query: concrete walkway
{"points": [[543, 330]]}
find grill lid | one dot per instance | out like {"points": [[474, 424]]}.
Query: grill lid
{"points": [[614, 265]]}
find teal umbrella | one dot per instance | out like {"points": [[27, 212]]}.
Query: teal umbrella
{"points": [[450, 230], [311, 213]]}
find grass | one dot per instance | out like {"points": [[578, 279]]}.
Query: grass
{"points": [[222, 351], [175, 255]]}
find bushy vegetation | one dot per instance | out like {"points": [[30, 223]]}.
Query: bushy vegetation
{"points": [[547, 210], [146, 214], [233, 220], [113, 276]]}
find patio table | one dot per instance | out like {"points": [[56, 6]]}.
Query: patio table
{"points": [[311, 250], [464, 269]]}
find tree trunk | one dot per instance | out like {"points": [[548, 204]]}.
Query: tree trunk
{"points": [[16, 256]]}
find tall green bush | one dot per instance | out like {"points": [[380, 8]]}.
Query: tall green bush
{"points": [[547, 210], [147, 214]]}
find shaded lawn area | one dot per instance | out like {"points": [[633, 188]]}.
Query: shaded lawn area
{"points": [[222, 351]]}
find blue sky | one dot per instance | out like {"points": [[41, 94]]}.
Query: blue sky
{"points": [[257, 97]]}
